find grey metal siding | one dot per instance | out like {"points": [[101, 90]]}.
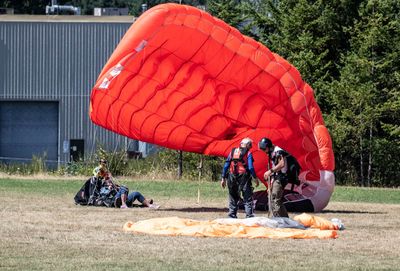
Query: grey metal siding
{"points": [[60, 61], [50, 60]]}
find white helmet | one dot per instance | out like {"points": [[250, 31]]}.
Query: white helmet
{"points": [[246, 143]]}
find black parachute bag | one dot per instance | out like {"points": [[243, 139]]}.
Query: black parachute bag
{"points": [[82, 197], [293, 170], [260, 199], [88, 193]]}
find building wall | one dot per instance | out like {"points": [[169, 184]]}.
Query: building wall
{"points": [[59, 60]]}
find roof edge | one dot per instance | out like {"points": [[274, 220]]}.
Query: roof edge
{"points": [[66, 18]]}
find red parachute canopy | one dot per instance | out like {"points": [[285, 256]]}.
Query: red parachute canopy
{"points": [[185, 80]]}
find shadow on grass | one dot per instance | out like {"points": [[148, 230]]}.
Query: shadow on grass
{"points": [[195, 209], [259, 212], [351, 212]]}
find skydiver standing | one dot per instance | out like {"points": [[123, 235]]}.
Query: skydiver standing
{"points": [[238, 172], [279, 174]]}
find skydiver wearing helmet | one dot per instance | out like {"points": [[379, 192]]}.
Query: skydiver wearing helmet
{"points": [[101, 172], [237, 173], [283, 164]]}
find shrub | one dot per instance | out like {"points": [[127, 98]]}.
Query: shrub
{"points": [[160, 165], [35, 166]]}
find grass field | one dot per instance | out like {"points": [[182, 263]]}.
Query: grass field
{"points": [[42, 229]]}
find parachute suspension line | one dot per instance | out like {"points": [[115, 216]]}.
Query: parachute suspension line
{"points": [[200, 168], [312, 122], [270, 214], [92, 153], [180, 159], [117, 157]]}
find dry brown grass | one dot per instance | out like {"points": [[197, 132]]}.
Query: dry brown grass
{"points": [[52, 233]]}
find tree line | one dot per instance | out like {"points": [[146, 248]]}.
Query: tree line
{"points": [[348, 51]]}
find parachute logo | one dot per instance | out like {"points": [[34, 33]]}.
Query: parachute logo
{"points": [[115, 71], [141, 45], [185, 80]]}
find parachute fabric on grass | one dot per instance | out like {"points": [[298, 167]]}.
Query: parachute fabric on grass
{"points": [[185, 80], [239, 228]]}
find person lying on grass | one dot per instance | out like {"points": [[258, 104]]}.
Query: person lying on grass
{"points": [[124, 200], [101, 190]]}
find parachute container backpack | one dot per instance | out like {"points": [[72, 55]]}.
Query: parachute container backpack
{"points": [[239, 161], [185, 80]]}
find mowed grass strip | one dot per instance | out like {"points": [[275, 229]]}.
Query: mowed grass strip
{"points": [[155, 188], [363, 194], [188, 189], [42, 229]]}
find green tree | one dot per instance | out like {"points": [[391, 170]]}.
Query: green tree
{"points": [[228, 11], [309, 34], [365, 97], [348, 52], [26, 6]]}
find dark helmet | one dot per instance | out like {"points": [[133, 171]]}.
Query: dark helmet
{"points": [[265, 143]]}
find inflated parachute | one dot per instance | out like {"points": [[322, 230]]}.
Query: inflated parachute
{"points": [[185, 80]]}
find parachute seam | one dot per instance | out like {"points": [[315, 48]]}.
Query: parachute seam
{"points": [[150, 97], [167, 87], [309, 118], [202, 66], [238, 136], [124, 83], [200, 89], [172, 130], [305, 102], [233, 56], [185, 94]]}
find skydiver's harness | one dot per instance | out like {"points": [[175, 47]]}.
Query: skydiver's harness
{"points": [[239, 158], [106, 192], [238, 169]]}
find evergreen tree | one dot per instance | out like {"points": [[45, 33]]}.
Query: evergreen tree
{"points": [[229, 11], [364, 98], [26, 7], [308, 34]]}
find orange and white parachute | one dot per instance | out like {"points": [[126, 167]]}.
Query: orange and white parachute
{"points": [[185, 80]]}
